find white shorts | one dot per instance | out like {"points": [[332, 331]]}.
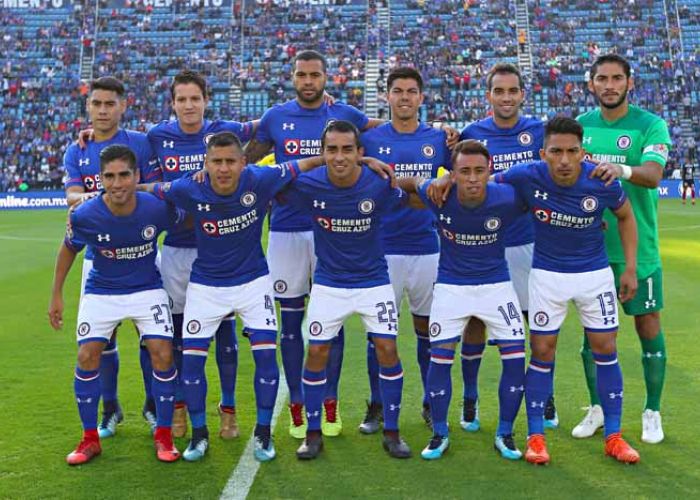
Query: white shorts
{"points": [[593, 294], [175, 268], [495, 304], [415, 275], [519, 265], [207, 306], [99, 315], [87, 267], [330, 306], [292, 260]]}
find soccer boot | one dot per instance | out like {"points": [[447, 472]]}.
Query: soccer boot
{"points": [[297, 423], [395, 446], [179, 420], [618, 448], [437, 446], [373, 418], [229, 426], [551, 418], [470, 415], [425, 415], [536, 452], [108, 425], [263, 444], [149, 414], [590, 423], [652, 432], [505, 445], [311, 447], [163, 441], [88, 448], [198, 446], [331, 425]]}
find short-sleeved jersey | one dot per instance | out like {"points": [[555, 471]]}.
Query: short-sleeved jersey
{"points": [[508, 147], [346, 226], [125, 246], [296, 134], [228, 228], [472, 240], [567, 219], [637, 137], [408, 231], [181, 154], [688, 173]]}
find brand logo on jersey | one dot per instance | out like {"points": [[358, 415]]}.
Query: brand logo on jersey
{"points": [[384, 151], [525, 138], [148, 232], [541, 194], [168, 144], [624, 142], [193, 327], [589, 204], [320, 204], [166, 186], [435, 329], [315, 328], [366, 206], [207, 138], [587, 140], [280, 286], [492, 224], [84, 162], [446, 219], [171, 163], [103, 237], [541, 318], [291, 146], [428, 150], [248, 199], [210, 227], [106, 252], [287, 126], [203, 207], [83, 329]]}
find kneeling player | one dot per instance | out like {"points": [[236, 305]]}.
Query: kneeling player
{"points": [[123, 227]]}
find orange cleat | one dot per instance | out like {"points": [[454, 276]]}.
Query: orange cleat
{"points": [[620, 450], [537, 450], [163, 441], [88, 448]]}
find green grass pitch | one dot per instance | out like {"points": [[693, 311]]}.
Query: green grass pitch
{"points": [[39, 423]]}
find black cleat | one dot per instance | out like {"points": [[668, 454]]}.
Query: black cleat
{"points": [[425, 413], [311, 447], [395, 446], [551, 419], [373, 418]]}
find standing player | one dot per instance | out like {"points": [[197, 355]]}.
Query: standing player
{"points": [[105, 106], [181, 145], [122, 227], [409, 237], [510, 138], [688, 176], [633, 145]]}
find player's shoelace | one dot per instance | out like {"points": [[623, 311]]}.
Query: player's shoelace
{"points": [[297, 416], [435, 442], [331, 407], [109, 420], [509, 442]]}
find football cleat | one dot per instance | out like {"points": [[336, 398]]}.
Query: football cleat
{"points": [[505, 445], [332, 424], [264, 446], [536, 452], [88, 448], [437, 446], [620, 450], [297, 424], [470, 415], [108, 426], [590, 423], [311, 447], [395, 446], [179, 420], [652, 432], [229, 426], [149, 414], [373, 418], [196, 449], [425, 414], [165, 449], [551, 418]]}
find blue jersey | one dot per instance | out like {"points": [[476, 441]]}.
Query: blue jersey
{"points": [[180, 154], [228, 228], [472, 243], [408, 231], [508, 147], [125, 246], [346, 226], [296, 134], [82, 166], [567, 220]]}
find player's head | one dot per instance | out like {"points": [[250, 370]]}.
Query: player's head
{"points": [[505, 90], [190, 97], [611, 80], [224, 162], [106, 104], [309, 76], [405, 92], [119, 173], [470, 170], [562, 150], [342, 151]]}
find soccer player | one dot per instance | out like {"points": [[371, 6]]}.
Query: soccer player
{"points": [[346, 203], [106, 103], [688, 177], [409, 236], [632, 145], [473, 282], [510, 138], [122, 227], [180, 145]]}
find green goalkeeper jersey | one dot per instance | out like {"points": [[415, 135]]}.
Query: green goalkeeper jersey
{"points": [[637, 137]]}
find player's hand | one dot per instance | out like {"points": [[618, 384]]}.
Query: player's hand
{"points": [[83, 198], [381, 169], [452, 135], [56, 312], [608, 172], [439, 189], [628, 285], [199, 176], [84, 136], [328, 99]]}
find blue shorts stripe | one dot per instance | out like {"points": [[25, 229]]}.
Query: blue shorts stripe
{"points": [[85, 341], [544, 332]]}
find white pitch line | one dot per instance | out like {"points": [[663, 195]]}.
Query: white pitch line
{"points": [[242, 477], [24, 238], [674, 228]]}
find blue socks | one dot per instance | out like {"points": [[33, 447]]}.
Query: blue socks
{"points": [[439, 387], [109, 371], [511, 387], [87, 393], [177, 356], [390, 387], [267, 374], [164, 395], [609, 384], [423, 358], [373, 373], [227, 360], [194, 381], [146, 371], [471, 360], [314, 391], [292, 345], [335, 363], [538, 387]]}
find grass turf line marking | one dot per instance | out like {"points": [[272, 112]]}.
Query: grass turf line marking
{"points": [[241, 479]]}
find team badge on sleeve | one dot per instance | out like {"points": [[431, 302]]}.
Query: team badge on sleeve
{"points": [[193, 327], [315, 328], [366, 206], [589, 204], [541, 318], [248, 199], [435, 329], [525, 138], [280, 286], [83, 329], [148, 232], [624, 142], [428, 150], [492, 224]]}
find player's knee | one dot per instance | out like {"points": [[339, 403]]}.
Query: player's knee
{"points": [[161, 354], [89, 355], [421, 325], [387, 354], [603, 343], [317, 356], [543, 347], [648, 326]]}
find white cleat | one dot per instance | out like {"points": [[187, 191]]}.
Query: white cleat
{"points": [[652, 432], [590, 423]]}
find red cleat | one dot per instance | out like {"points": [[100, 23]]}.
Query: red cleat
{"points": [[620, 450], [88, 448], [165, 449], [537, 450]]}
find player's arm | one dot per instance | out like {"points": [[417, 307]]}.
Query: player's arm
{"points": [[648, 174], [380, 168], [627, 227], [256, 150], [307, 164], [75, 195], [411, 186], [439, 189], [64, 262]]}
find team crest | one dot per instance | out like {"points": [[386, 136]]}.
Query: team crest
{"points": [[248, 199], [435, 329], [448, 234], [280, 286], [83, 329], [315, 329], [541, 318], [193, 327], [171, 163], [291, 146], [428, 150], [589, 204], [366, 207], [207, 138], [106, 252], [210, 227], [148, 232], [492, 224], [525, 139], [324, 222], [542, 215], [624, 142]]}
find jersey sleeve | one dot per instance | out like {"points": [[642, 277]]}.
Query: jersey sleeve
{"points": [[173, 216], [244, 131], [72, 238], [391, 198], [294, 194], [422, 193], [615, 196], [657, 143], [149, 167], [357, 117], [70, 164], [271, 180], [262, 135], [175, 192], [465, 134], [516, 175]]}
